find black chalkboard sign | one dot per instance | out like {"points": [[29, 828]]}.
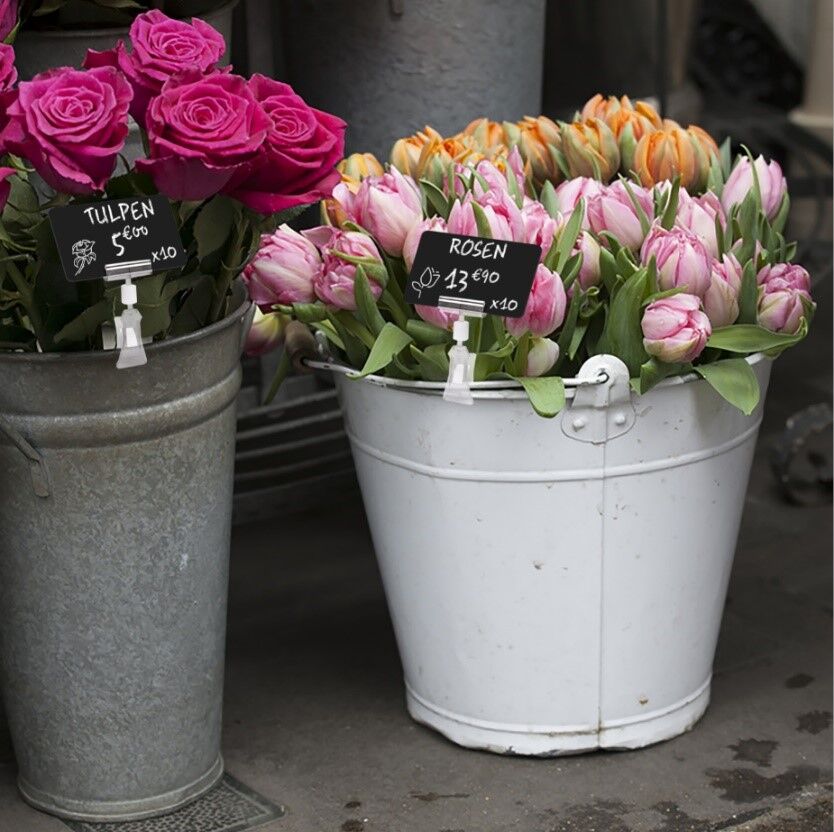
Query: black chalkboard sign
{"points": [[474, 274], [95, 235]]}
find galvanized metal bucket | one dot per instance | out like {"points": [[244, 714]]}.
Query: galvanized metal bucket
{"points": [[115, 510], [556, 586]]}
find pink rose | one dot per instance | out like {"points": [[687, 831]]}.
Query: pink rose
{"points": [[266, 333], [503, 215], [334, 280], [296, 165], [412, 239], [539, 227], [570, 192], [675, 330], [613, 211], [439, 317], [541, 357], [8, 71], [721, 298], [70, 124], [698, 215], [772, 185], [545, 308], [283, 269], [201, 131], [162, 48], [682, 259], [782, 289], [8, 17], [5, 186], [589, 272], [388, 206]]}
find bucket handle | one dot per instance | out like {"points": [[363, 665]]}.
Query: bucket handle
{"points": [[37, 464]]}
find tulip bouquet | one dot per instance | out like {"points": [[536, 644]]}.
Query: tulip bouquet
{"points": [[671, 279], [235, 156]]}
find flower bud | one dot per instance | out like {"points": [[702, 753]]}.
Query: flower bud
{"points": [[570, 192], [782, 289], [412, 239], [721, 298], [589, 272], [283, 269], [539, 227], [698, 214], [334, 281], [441, 318], [541, 357], [534, 138], [545, 308], [772, 185], [667, 153], [675, 330], [590, 149], [266, 332], [359, 166], [388, 206], [487, 135], [612, 210], [682, 259]]}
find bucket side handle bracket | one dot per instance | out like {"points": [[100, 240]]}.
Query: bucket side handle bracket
{"points": [[603, 410], [37, 464]]}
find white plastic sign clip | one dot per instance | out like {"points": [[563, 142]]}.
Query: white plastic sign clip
{"points": [[461, 366], [129, 323]]}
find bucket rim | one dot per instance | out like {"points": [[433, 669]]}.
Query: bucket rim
{"points": [[156, 348], [494, 389]]}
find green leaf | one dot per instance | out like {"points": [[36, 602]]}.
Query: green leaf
{"points": [[671, 210], [654, 371], [748, 298], [734, 380], [87, 323], [390, 342], [214, 225], [567, 239], [546, 394], [426, 334], [432, 365], [623, 335], [435, 198], [309, 313], [481, 221], [568, 327], [549, 200], [281, 372], [366, 303], [750, 338], [638, 208]]}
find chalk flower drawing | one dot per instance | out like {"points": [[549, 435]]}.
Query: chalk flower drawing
{"points": [[428, 279], [83, 254]]}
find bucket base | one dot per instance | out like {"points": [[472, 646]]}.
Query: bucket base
{"points": [[634, 732], [121, 810]]}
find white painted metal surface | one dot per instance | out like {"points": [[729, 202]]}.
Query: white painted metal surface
{"points": [[550, 595]]}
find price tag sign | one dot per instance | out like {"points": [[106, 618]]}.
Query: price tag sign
{"points": [[473, 274], [95, 235]]}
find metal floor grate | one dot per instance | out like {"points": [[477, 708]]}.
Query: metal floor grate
{"points": [[229, 807]]}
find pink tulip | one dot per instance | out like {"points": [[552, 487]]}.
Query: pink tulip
{"points": [[675, 330], [570, 192], [412, 239], [698, 214], [682, 259], [388, 206], [539, 227], [613, 211], [545, 308], [266, 332], [589, 272], [782, 289], [283, 269], [772, 185], [721, 299], [439, 317], [542, 356], [461, 219], [503, 215], [333, 283]]}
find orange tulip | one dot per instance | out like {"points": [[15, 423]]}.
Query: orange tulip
{"points": [[357, 166], [667, 153], [628, 122], [427, 155], [536, 139], [590, 149], [487, 135]]}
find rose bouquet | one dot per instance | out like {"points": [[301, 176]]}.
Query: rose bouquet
{"points": [[680, 267], [235, 156]]}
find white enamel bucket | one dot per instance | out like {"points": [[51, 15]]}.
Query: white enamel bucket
{"points": [[556, 585]]}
